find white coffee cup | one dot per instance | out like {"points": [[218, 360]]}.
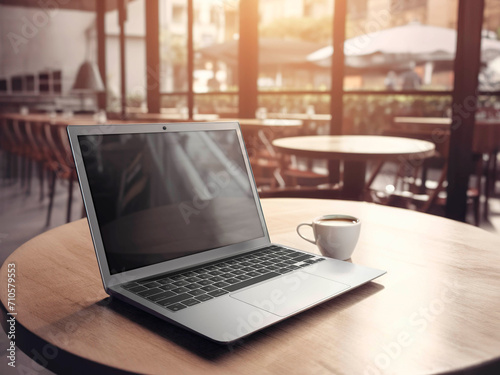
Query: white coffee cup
{"points": [[335, 235]]}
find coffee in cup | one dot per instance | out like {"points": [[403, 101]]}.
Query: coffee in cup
{"points": [[335, 235]]}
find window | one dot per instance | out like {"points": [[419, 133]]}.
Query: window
{"points": [[288, 34], [3, 86], [17, 84], [410, 46], [173, 46], [57, 82], [30, 83], [489, 76], [44, 83], [215, 39]]}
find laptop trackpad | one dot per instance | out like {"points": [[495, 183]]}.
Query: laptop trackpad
{"points": [[290, 293]]}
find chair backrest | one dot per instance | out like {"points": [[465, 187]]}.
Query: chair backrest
{"points": [[328, 192], [437, 133]]}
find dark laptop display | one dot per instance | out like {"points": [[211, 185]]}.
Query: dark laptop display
{"points": [[161, 196]]}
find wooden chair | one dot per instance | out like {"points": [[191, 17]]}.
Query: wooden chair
{"points": [[11, 147], [414, 190], [38, 154], [318, 192], [59, 163]]}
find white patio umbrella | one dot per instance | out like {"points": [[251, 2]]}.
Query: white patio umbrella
{"points": [[411, 42]]}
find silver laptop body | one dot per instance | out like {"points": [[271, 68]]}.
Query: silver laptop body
{"points": [[173, 211]]}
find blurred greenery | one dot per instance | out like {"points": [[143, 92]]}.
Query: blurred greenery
{"points": [[368, 114]]}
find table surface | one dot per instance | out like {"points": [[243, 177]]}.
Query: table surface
{"points": [[355, 147], [436, 309], [486, 137]]}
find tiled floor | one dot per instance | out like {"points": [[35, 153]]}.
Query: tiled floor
{"points": [[22, 217]]}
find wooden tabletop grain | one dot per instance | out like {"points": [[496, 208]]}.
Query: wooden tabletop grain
{"points": [[437, 308]]}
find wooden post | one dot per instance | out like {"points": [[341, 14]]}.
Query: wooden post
{"points": [[152, 56], [190, 60], [248, 58], [467, 64], [100, 7], [122, 16], [337, 77]]}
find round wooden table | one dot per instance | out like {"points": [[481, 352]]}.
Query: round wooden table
{"points": [[356, 151], [437, 308]]}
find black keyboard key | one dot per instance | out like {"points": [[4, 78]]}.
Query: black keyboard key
{"points": [[255, 280], [253, 274], [189, 274], [222, 284], [205, 282], [204, 297], [242, 277], [137, 289], [209, 288], [272, 268], [159, 296], [215, 273], [204, 276], [180, 290], [193, 286], [177, 277], [190, 302], [180, 283], [247, 269], [196, 292], [246, 264], [284, 270], [261, 270], [217, 279], [174, 299], [192, 279], [150, 292], [152, 284], [211, 268], [176, 307], [238, 272], [226, 269], [232, 281], [217, 293], [167, 287], [293, 267], [164, 281], [227, 275]]}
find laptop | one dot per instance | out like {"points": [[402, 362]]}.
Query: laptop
{"points": [[179, 232]]}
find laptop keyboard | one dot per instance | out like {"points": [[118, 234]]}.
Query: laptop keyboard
{"points": [[192, 286]]}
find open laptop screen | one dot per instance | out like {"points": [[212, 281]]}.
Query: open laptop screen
{"points": [[161, 196]]}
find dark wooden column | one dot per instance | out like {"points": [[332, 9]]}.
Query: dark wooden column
{"points": [[100, 7], [122, 16], [467, 64], [337, 88], [248, 58], [152, 56], [190, 59]]}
